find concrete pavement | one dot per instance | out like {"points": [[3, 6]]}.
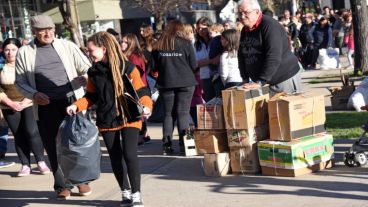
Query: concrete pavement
{"points": [[179, 181]]}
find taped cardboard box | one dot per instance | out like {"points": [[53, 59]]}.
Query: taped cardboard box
{"points": [[216, 164], [245, 108], [245, 159], [246, 137], [295, 116], [210, 141], [296, 157], [211, 115]]}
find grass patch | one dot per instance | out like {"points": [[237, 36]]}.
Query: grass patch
{"points": [[345, 125]]}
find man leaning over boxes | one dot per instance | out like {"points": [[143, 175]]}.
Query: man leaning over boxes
{"points": [[264, 53]]}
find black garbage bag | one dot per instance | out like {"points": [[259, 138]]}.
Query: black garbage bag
{"points": [[78, 149]]}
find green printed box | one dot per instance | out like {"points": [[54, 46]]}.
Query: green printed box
{"points": [[296, 154]]}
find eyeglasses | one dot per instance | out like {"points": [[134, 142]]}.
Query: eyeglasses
{"points": [[43, 31], [202, 28], [245, 13]]}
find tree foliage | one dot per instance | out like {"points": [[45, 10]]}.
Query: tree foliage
{"points": [[160, 8]]}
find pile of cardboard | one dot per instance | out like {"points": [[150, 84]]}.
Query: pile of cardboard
{"points": [[247, 132], [340, 95], [297, 144]]}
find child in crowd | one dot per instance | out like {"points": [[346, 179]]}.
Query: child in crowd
{"points": [[229, 70], [215, 51]]}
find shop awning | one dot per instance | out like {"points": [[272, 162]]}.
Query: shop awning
{"points": [[91, 10]]}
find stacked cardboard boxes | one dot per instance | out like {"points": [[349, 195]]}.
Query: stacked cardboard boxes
{"points": [[246, 118], [210, 138], [297, 143]]}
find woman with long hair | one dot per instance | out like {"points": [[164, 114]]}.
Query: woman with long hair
{"points": [[110, 79], [18, 113], [175, 61], [202, 55], [229, 69], [134, 53]]}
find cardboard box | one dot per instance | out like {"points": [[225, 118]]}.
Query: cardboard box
{"points": [[245, 159], [244, 109], [211, 115], [296, 172], [247, 137], [210, 141], [340, 96], [295, 116], [297, 154], [216, 164]]}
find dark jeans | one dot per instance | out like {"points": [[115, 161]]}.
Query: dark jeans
{"points": [[50, 117], [3, 139], [26, 135], [177, 105], [122, 147]]}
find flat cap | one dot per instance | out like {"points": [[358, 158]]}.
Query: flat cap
{"points": [[41, 22]]}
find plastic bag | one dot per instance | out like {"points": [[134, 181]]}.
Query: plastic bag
{"points": [[359, 97], [78, 149], [329, 58]]}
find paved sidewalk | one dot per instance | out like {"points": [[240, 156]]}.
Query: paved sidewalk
{"points": [[178, 181]]}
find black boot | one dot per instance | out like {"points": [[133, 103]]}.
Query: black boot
{"points": [[167, 149], [167, 146]]}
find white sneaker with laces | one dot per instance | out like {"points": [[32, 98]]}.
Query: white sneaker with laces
{"points": [[127, 198], [137, 200]]}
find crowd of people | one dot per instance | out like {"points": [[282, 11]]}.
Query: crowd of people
{"points": [[310, 32], [185, 64]]}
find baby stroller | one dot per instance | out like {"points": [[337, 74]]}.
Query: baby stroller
{"points": [[358, 153]]}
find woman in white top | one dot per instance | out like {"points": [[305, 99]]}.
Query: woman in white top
{"points": [[229, 70]]}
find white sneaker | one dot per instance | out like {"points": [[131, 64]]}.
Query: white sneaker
{"points": [[127, 198], [137, 200]]}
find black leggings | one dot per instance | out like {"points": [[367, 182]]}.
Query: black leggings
{"points": [[122, 147], [26, 135], [177, 106]]}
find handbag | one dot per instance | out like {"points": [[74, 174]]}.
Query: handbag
{"points": [[135, 108]]}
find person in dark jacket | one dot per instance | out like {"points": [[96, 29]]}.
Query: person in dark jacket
{"points": [[264, 52], [307, 40], [322, 35], [109, 80], [175, 61]]}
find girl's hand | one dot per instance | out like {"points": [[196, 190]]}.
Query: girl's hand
{"points": [[71, 110], [16, 106], [146, 112]]}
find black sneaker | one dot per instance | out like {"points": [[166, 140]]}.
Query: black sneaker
{"points": [[167, 149], [147, 139], [137, 200], [127, 199]]}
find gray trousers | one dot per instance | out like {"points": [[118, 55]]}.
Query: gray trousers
{"points": [[291, 85]]}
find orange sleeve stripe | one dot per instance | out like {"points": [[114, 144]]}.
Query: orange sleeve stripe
{"points": [[84, 103], [138, 84]]}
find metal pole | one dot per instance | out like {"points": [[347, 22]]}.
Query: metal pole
{"points": [[12, 19]]}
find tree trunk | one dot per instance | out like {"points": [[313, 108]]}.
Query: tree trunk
{"points": [[160, 21], [360, 22], [68, 22]]}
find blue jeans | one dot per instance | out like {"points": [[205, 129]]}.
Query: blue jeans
{"points": [[3, 139]]}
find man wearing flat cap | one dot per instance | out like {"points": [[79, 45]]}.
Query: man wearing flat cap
{"points": [[51, 72]]}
